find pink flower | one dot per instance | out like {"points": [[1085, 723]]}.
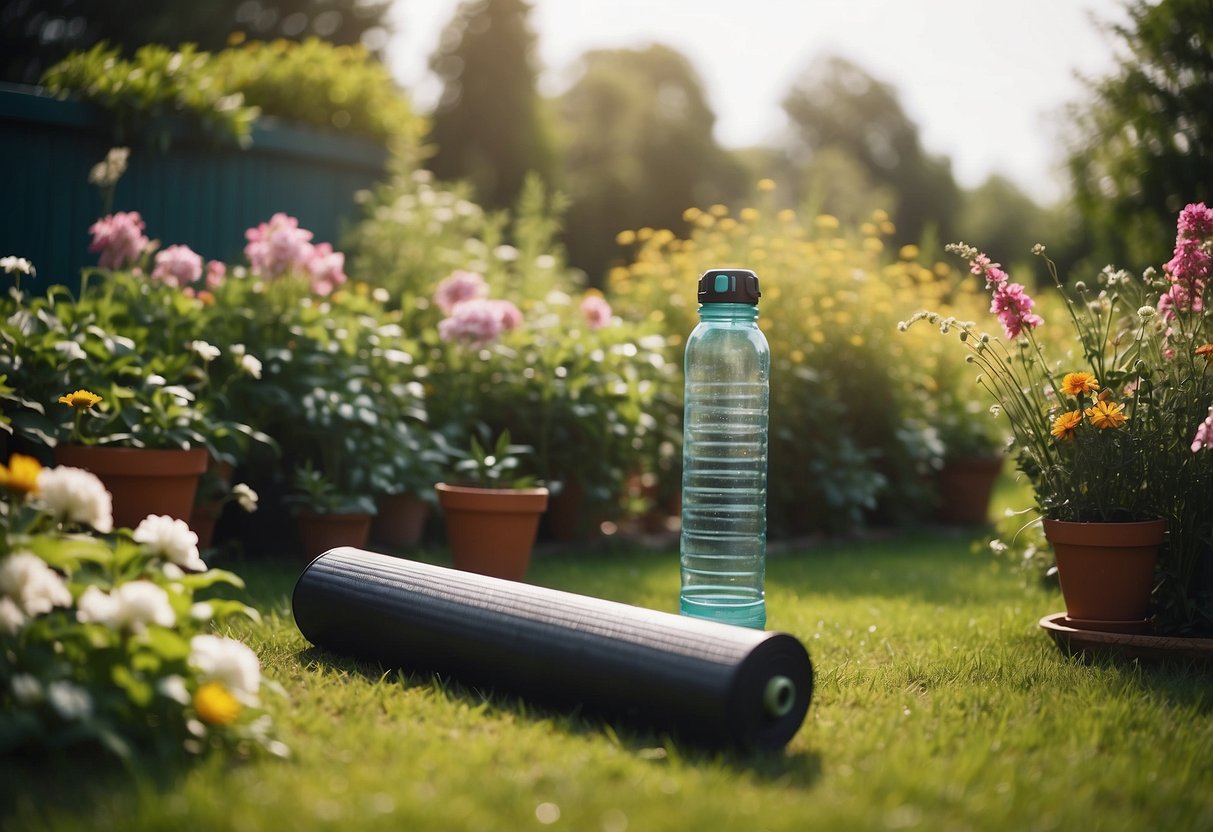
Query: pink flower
{"points": [[1013, 307], [216, 271], [177, 266], [597, 311], [1179, 298], [1195, 220], [1204, 434], [327, 268], [1190, 264], [460, 286], [277, 247], [119, 238], [479, 321]]}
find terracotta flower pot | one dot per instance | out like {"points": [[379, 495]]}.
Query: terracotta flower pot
{"points": [[965, 486], [1106, 569], [141, 481], [492, 531], [321, 532], [401, 519]]}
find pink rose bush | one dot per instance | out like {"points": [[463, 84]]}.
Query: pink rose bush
{"points": [[281, 247], [177, 266], [597, 311], [479, 321], [460, 286], [119, 239]]}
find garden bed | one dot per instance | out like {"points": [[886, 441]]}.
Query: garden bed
{"points": [[939, 705]]}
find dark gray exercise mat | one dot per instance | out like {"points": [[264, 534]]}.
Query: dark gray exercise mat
{"points": [[698, 680]]}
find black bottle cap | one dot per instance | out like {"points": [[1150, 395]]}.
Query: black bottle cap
{"points": [[729, 286]]}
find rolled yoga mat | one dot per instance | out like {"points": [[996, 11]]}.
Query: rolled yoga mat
{"points": [[705, 682]]}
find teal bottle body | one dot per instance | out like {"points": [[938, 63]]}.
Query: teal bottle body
{"points": [[724, 479]]}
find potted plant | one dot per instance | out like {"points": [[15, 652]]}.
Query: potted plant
{"points": [[491, 511], [1109, 439], [328, 517], [136, 409]]}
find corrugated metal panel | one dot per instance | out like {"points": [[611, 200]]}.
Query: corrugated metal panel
{"points": [[199, 195]]}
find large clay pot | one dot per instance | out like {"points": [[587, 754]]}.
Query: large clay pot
{"points": [[400, 520], [323, 531], [1106, 570], [965, 486], [141, 481], [491, 531]]}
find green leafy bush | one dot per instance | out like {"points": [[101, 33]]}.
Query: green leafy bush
{"points": [[314, 83], [852, 435]]}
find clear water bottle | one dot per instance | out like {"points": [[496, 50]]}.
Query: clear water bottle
{"points": [[724, 454]]}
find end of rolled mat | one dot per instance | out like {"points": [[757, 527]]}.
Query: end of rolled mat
{"points": [[779, 697]]}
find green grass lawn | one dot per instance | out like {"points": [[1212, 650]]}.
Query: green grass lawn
{"points": [[939, 705]]}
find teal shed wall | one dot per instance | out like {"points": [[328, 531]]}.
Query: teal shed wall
{"points": [[194, 193]]}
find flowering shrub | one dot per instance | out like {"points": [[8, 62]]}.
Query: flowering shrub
{"points": [[280, 247], [1118, 431], [119, 239], [108, 640], [853, 425]]}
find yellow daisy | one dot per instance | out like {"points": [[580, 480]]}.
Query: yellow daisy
{"points": [[81, 398], [1106, 415], [21, 475]]}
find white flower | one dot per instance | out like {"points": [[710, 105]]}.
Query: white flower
{"points": [[245, 496], [505, 253], [1146, 312], [33, 586], [381, 295], [171, 539], [12, 618], [237, 350], [96, 606], [229, 662], [27, 690], [545, 261], [202, 611], [174, 688], [156, 380], [205, 351], [132, 606], [172, 571], [250, 365], [76, 495], [12, 265], [69, 700]]}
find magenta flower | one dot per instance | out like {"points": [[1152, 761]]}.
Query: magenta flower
{"points": [[327, 268], [278, 247], [479, 321], [177, 266], [597, 311], [1191, 266], [1204, 434], [119, 238], [1009, 301], [460, 286]]}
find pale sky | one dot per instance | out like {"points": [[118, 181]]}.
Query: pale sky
{"points": [[985, 80]]}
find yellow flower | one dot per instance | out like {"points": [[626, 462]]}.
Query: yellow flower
{"points": [[826, 222], [1106, 415], [216, 705], [908, 252], [1075, 384], [21, 475], [1065, 424], [625, 237], [766, 184], [786, 215], [81, 398]]}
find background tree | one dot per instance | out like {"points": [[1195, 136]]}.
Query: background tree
{"points": [[637, 150], [837, 106], [1145, 142], [488, 126], [37, 34], [1005, 222]]}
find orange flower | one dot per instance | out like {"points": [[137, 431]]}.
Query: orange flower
{"points": [[1205, 350], [216, 705], [1065, 424], [1106, 415], [1075, 384]]}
